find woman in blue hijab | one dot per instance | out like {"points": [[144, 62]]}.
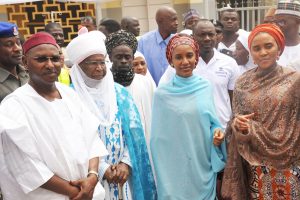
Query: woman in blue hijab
{"points": [[186, 139]]}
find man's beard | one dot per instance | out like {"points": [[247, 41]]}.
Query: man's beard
{"points": [[124, 76]]}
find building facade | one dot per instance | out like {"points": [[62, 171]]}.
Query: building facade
{"points": [[32, 17]]}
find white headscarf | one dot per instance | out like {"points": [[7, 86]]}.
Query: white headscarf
{"points": [[148, 75], [243, 39], [139, 54], [98, 95]]}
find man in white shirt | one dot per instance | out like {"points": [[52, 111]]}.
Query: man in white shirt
{"points": [[287, 17], [55, 154], [295, 65], [230, 19], [219, 69]]}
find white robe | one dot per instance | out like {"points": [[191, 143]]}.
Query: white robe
{"points": [[59, 137], [142, 89], [289, 55]]}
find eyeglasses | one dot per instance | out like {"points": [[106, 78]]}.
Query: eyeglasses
{"points": [[95, 63], [42, 59]]}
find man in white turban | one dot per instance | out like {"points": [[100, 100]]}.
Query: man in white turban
{"points": [[126, 172]]}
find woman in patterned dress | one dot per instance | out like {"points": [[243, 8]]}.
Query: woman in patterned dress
{"points": [[263, 151]]}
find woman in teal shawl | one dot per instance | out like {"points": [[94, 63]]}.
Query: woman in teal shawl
{"points": [[186, 139]]}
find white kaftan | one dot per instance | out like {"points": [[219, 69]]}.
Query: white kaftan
{"points": [[59, 138], [142, 90]]}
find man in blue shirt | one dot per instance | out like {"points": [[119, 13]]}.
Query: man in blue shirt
{"points": [[153, 44]]}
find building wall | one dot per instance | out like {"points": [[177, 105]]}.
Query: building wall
{"points": [[3, 14], [32, 17], [145, 10]]}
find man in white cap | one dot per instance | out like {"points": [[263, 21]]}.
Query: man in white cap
{"points": [[190, 19], [126, 172], [287, 17]]}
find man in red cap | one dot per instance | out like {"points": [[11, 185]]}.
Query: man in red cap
{"points": [[12, 74], [56, 153]]}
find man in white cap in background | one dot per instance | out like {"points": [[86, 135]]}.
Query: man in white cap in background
{"points": [[190, 19], [287, 17]]}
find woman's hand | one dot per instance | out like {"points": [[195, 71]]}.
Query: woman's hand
{"points": [[241, 122], [218, 137]]}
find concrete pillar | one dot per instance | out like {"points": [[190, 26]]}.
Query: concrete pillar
{"points": [[206, 8], [152, 6], [209, 7], [138, 9], [98, 12], [145, 11]]}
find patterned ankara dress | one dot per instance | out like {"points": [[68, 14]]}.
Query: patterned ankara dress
{"points": [[268, 183]]}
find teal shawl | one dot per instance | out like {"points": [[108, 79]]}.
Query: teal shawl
{"points": [[183, 121], [142, 180]]}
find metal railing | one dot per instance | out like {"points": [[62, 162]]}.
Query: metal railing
{"points": [[251, 12]]}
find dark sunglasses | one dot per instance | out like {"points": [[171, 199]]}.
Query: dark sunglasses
{"points": [[42, 59]]}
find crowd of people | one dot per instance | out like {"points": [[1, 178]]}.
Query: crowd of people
{"points": [[211, 112]]}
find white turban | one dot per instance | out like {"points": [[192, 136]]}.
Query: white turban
{"points": [[187, 31], [98, 95], [243, 38], [85, 45]]}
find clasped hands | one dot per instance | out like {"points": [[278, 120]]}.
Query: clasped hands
{"points": [[117, 174], [84, 188]]}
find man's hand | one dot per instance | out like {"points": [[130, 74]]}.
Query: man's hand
{"points": [[73, 192], [241, 122], [218, 137], [87, 186], [123, 171], [110, 174]]}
